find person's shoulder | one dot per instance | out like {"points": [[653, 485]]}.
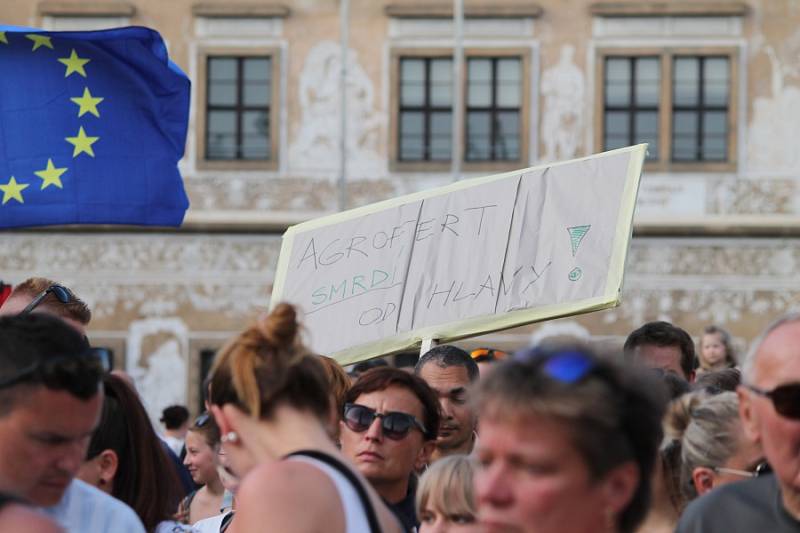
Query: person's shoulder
{"points": [[729, 507], [116, 511]]}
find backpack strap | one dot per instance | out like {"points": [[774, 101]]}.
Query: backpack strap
{"points": [[334, 463]]}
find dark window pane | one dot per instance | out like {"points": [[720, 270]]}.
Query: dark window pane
{"points": [[222, 81], [507, 127], [441, 82], [412, 127], [716, 81], [221, 135], [646, 125], [617, 124], [618, 81], [479, 135], [255, 135], [479, 82], [648, 81], [684, 136], [257, 81], [412, 82], [686, 81], [441, 140], [715, 135]]}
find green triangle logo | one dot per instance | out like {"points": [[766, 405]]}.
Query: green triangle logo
{"points": [[576, 235]]}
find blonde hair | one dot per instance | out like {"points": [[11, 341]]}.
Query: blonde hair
{"points": [[338, 381], [708, 429], [267, 365], [447, 485]]}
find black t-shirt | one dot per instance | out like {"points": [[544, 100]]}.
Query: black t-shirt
{"points": [[748, 506], [405, 510]]}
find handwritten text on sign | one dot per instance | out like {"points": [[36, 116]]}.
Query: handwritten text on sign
{"points": [[540, 237]]}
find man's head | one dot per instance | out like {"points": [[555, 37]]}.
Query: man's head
{"points": [[175, 418], [662, 345], [55, 300], [389, 447], [449, 371], [769, 403], [50, 402]]}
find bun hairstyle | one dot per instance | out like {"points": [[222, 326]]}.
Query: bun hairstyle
{"points": [[707, 430], [267, 365]]}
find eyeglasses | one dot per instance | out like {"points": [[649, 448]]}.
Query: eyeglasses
{"points": [[761, 469], [61, 293], [395, 425], [50, 364], [480, 355], [785, 398]]}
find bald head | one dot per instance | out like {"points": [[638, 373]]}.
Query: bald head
{"points": [[770, 343]]}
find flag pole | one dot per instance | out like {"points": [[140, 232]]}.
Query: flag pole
{"points": [[458, 88], [426, 345], [344, 30]]}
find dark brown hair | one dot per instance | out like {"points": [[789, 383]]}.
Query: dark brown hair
{"points": [[266, 366], [664, 334], [145, 479], [382, 378], [76, 309]]}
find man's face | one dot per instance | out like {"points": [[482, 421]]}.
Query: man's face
{"points": [[16, 304], [777, 363], [667, 358], [43, 442], [458, 420], [381, 460], [532, 479]]}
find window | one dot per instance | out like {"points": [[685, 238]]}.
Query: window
{"points": [[426, 108], [238, 129], [680, 102], [495, 125], [493, 109]]}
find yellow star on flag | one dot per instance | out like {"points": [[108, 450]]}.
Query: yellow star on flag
{"points": [[87, 103], [3, 38], [13, 191], [51, 175], [39, 41], [82, 143], [74, 64]]}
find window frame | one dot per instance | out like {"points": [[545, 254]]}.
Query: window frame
{"points": [[398, 165], [664, 162], [202, 162]]}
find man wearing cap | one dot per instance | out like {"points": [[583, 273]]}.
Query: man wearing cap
{"points": [[769, 406], [50, 403]]}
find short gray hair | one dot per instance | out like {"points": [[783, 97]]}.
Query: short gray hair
{"points": [[749, 362]]}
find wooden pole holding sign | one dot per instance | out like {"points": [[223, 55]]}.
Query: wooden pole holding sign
{"points": [[426, 345]]}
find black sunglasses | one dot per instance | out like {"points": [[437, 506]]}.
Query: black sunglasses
{"points": [[785, 398], [395, 425], [61, 293], [98, 355]]}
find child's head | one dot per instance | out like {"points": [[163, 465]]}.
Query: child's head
{"points": [[716, 349]]}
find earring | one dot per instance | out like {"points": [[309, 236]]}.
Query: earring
{"points": [[230, 436]]}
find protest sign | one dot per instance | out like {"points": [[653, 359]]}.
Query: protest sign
{"points": [[476, 256]]}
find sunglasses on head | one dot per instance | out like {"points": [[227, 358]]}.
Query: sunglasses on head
{"points": [[61, 293], [394, 425], [785, 398], [760, 469], [201, 420], [480, 355], [565, 366]]}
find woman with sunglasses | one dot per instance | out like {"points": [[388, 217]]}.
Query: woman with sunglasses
{"points": [[567, 443], [202, 444], [270, 397]]}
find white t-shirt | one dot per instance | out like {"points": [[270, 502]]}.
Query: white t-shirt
{"points": [[210, 525], [175, 444], [84, 509]]}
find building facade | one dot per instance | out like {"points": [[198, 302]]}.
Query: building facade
{"points": [[714, 87]]}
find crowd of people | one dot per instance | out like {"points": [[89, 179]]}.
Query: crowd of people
{"points": [[558, 437]]}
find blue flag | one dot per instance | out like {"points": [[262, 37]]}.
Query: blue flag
{"points": [[92, 126]]}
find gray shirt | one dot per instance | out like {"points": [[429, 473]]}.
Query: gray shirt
{"points": [[746, 506]]}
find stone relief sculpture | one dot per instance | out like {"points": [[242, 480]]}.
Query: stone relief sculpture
{"points": [[315, 148], [160, 375], [562, 119], [776, 118]]}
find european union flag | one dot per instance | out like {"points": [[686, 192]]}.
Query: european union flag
{"points": [[92, 126]]}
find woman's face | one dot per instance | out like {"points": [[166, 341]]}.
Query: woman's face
{"points": [[712, 350], [434, 520], [531, 478], [199, 459]]}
